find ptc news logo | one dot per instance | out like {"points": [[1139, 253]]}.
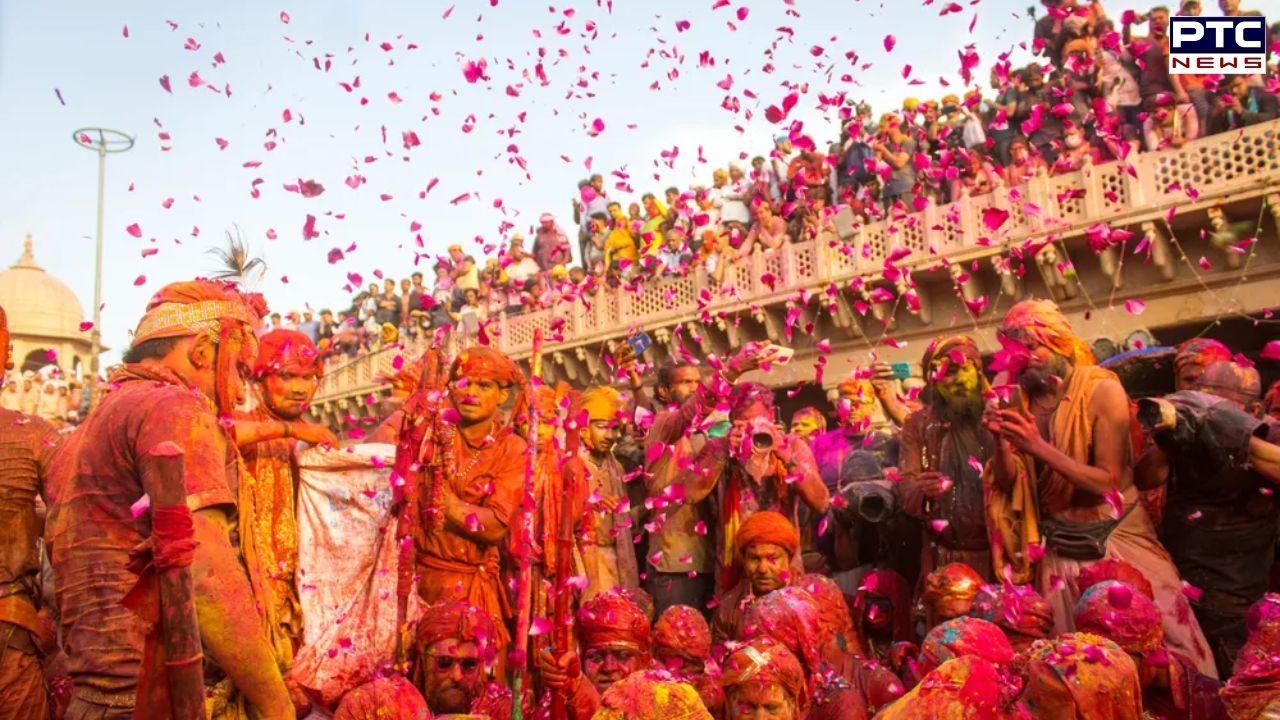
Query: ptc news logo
{"points": [[1217, 45]]}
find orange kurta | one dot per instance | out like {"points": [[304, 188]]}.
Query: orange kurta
{"points": [[452, 566], [275, 526]]}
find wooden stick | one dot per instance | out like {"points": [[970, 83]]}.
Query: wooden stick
{"points": [[184, 654], [524, 535], [573, 474]]}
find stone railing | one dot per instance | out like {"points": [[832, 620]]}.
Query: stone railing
{"points": [[1145, 187]]}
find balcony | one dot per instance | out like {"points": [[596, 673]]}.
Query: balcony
{"points": [[834, 287]]}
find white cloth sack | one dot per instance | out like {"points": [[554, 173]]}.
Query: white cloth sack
{"points": [[347, 560]]}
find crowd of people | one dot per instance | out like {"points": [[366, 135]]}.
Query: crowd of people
{"points": [[1022, 534], [46, 395], [1016, 537], [1098, 91]]}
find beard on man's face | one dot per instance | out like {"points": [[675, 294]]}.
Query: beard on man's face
{"points": [[1039, 378]]}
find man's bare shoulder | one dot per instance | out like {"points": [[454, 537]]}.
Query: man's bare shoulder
{"points": [[1109, 397]]}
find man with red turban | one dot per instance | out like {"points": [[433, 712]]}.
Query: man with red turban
{"points": [[285, 378], [1172, 689], [964, 636], [1018, 609], [472, 466], [1062, 472], [1193, 357], [457, 652], [388, 698], [763, 676], [682, 646], [767, 545], [27, 445], [790, 616], [1253, 692], [614, 636], [963, 688], [882, 613], [180, 374]]}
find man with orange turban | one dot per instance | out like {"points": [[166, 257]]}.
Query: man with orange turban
{"points": [[473, 481], [285, 377], [457, 653], [682, 647], [180, 374], [941, 483], [27, 445], [1171, 686], [614, 637], [1062, 470], [767, 545], [764, 676], [604, 532]]}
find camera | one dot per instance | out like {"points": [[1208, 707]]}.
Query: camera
{"points": [[762, 440], [868, 495], [872, 499]]}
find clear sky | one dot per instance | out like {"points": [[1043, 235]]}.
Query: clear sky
{"points": [[515, 143]]}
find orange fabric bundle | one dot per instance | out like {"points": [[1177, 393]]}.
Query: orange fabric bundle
{"points": [[953, 581], [287, 351], [612, 619], [389, 698], [651, 695], [683, 632], [834, 617], [1082, 676]]}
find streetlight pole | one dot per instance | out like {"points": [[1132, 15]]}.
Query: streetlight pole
{"points": [[106, 141]]}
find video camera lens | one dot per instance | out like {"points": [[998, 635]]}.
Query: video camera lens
{"points": [[762, 440]]}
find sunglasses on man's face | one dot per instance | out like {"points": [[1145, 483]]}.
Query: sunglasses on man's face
{"points": [[445, 662]]}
